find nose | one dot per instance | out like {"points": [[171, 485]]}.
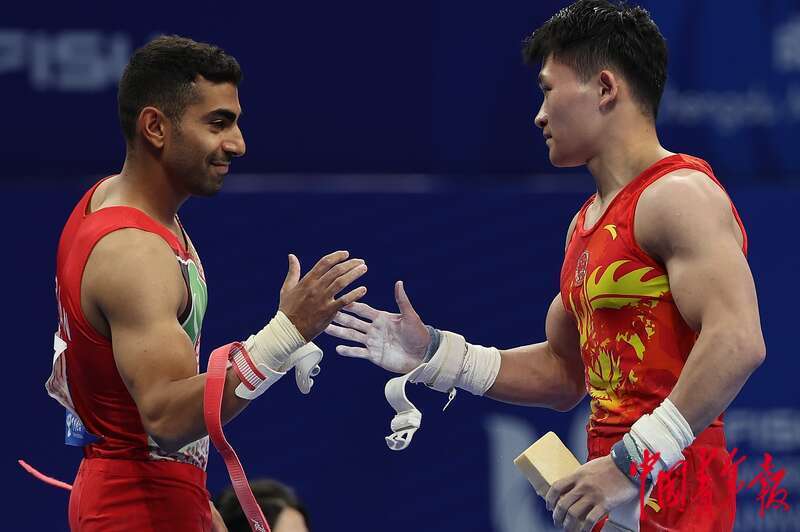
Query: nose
{"points": [[541, 118], [235, 145]]}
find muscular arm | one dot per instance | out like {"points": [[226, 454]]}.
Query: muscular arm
{"points": [[548, 374], [133, 279], [685, 220]]}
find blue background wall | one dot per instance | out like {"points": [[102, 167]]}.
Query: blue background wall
{"points": [[404, 134]]}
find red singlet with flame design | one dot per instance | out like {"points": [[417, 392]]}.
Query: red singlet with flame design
{"points": [[634, 344]]}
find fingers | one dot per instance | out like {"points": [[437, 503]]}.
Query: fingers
{"points": [[563, 505], [597, 513], [346, 334], [355, 352], [292, 275], [350, 297], [339, 270], [576, 514], [363, 310], [351, 321], [326, 263], [403, 303], [551, 498], [344, 280]]}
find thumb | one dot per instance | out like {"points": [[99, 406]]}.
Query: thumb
{"points": [[403, 302], [293, 275]]}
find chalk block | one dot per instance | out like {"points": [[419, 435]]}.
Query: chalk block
{"points": [[546, 461]]}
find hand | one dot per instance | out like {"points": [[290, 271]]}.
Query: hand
{"points": [[217, 524], [586, 496], [310, 303], [395, 342]]}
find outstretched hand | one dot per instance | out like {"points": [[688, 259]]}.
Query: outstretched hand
{"points": [[395, 342], [310, 302]]}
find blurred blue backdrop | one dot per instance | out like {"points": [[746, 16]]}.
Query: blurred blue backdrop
{"points": [[403, 133]]}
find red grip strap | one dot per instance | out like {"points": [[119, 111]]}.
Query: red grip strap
{"points": [[44, 478], [212, 405]]}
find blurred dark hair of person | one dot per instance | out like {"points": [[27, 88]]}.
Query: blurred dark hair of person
{"points": [[281, 507]]}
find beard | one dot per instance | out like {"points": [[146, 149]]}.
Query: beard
{"points": [[195, 174]]}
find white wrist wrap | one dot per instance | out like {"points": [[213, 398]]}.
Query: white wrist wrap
{"points": [[459, 364], [273, 344], [666, 432], [456, 363], [266, 357]]}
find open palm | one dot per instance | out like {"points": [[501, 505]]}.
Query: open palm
{"points": [[395, 342]]}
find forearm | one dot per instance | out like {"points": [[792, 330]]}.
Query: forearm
{"points": [[533, 375], [718, 366], [179, 405]]}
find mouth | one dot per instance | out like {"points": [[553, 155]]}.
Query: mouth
{"points": [[222, 167]]}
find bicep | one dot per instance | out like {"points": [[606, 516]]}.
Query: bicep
{"points": [[713, 283], [139, 290], [562, 335], [686, 221], [548, 373]]}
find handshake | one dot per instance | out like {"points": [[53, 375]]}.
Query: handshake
{"points": [[397, 342]]}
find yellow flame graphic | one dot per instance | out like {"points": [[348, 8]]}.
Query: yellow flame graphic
{"points": [[606, 292], [605, 378]]}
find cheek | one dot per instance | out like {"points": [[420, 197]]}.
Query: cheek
{"points": [[189, 152]]}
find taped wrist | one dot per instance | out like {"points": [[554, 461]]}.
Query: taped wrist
{"points": [[457, 363], [265, 357], [665, 432]]}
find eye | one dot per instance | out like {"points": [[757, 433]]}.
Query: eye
{"points": [[218, 124]]}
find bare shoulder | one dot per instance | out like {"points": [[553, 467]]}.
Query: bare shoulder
{"points": [[131, 274], [682, 209], [571, 229]]}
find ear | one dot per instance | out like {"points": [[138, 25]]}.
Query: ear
{"points": [[153, 125], [608, 86]]}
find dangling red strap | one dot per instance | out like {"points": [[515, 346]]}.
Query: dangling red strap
{"points": [[44, 478], [212, 405]]}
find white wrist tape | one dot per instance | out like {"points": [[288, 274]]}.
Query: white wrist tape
{"points": [[274, 344], [266, 357], [456, 363], [666, 432]]}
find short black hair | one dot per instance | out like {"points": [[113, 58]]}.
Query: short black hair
{"points": [[161, 73], [590, 35], [272, 496]]}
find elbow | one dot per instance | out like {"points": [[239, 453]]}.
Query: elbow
{"points": [[568, 401], [752, 348], [757, 352], [749, 347], [160, 431]]}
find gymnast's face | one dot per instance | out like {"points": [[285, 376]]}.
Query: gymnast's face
{"points": [[206, 138], [570, 117]]}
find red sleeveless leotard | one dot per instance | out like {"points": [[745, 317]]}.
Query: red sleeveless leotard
{"points": [[634, 344], [125, 481]]}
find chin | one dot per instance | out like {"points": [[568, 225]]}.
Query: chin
{"points": [[565, 163], [208, 189]]}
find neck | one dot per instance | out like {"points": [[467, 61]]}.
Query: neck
{"points": [[624, 156], [144, 184]]}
